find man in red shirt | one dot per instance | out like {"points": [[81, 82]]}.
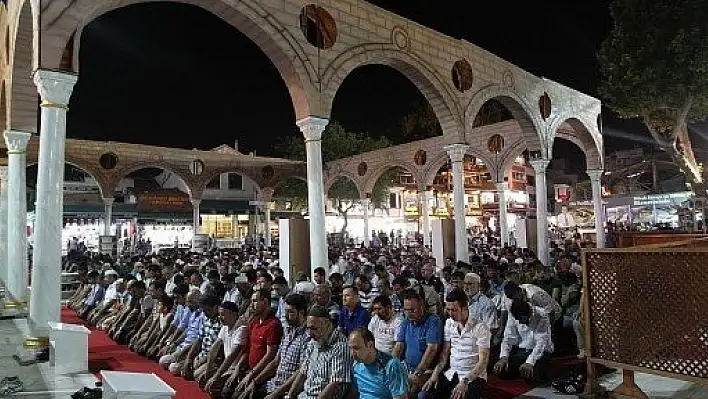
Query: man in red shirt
{"points": [[264, 335]]}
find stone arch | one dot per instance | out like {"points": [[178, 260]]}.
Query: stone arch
{"points": [[103, 184], [213, 173], [376, 174], [434, 166], [578, 133], [347, 174], [23, 98], [429, 83], [274, 39], [510, 154], [122, 173], [523, 113]]}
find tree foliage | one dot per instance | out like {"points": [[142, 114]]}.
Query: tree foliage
{"points": [[654, 66], [420, 123]]}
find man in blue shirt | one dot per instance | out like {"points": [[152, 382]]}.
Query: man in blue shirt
{"points": [[377, 375], [353, 315], [418, 340]]}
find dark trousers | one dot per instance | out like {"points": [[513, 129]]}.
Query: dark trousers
{"points": [[518, 356], [476, 390]]}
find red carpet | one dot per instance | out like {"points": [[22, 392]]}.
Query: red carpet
{"points": [[104, 354]]}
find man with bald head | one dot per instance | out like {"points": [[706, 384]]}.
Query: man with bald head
{"points": [[322, 296], [326, 369]]}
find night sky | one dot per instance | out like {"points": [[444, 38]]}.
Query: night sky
{"points": [[147, 77]]}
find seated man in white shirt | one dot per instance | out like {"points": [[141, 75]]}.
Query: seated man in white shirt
{"points": [[527, 345], [384, 324], [232, 292], [466, 346]]}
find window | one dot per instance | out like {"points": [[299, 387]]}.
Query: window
{"points": [[215, 183], [393, 200], [235, 181]]}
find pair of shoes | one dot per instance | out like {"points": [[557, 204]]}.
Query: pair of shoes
{"points": [[571, 385], [10, 385], [87, 393]]}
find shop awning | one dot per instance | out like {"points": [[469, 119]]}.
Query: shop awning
{"points": [[224, 206]]}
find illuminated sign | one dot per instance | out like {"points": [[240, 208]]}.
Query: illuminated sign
{"points": [[164, 202], [661, 199]]}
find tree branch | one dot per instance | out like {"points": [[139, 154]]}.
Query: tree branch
{"points": [[681, 118], [663, 144]]}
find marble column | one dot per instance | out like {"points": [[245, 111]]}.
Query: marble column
{"points": [[107, 215], [424, 195], [539, 166], [365, 202], [596, 183], [457, 153], [268, 237], [3, 226], [55, 90], [17, 278], [266, 201], [503, 225], [195, 214], [312, 128]]}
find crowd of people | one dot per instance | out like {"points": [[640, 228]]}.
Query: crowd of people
{"points": [[380, 322]]}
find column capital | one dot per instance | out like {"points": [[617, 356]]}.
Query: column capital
{"points": [[17, 141], [54, 87], [540, 165], [108, 200], [312, 127], [267, 194], [366, 201], [501, 186], [195, 201], [456, 151], [3, 173], [595, 174]]}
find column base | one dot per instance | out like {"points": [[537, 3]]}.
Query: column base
{"points": [[9, 308], [33, 350]]}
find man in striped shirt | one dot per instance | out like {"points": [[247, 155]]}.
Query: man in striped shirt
{"points": [[326, 370]]}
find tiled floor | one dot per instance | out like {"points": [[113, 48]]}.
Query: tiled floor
{"points": [[39, 380], [655, 387]]}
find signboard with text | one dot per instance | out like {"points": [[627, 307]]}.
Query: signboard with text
{"points": [[169, 201]]}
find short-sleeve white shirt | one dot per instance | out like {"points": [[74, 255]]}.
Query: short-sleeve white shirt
{"points": [[464, 346], [385, 333], [232, 338]]}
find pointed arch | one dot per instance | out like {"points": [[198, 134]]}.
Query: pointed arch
{"points": [[24, 99], [346, 174], [391, 164], [531, 126], [122, 173], [437, 93], [442, 158], [577, 131], [217, 172], [277, 43], [103, 185]]}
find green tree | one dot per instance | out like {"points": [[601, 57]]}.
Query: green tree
{"points": [[337, 143], [420, 123], [654, 67]]}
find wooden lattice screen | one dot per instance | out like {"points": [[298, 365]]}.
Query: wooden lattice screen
{"points": [[647, 310]]}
